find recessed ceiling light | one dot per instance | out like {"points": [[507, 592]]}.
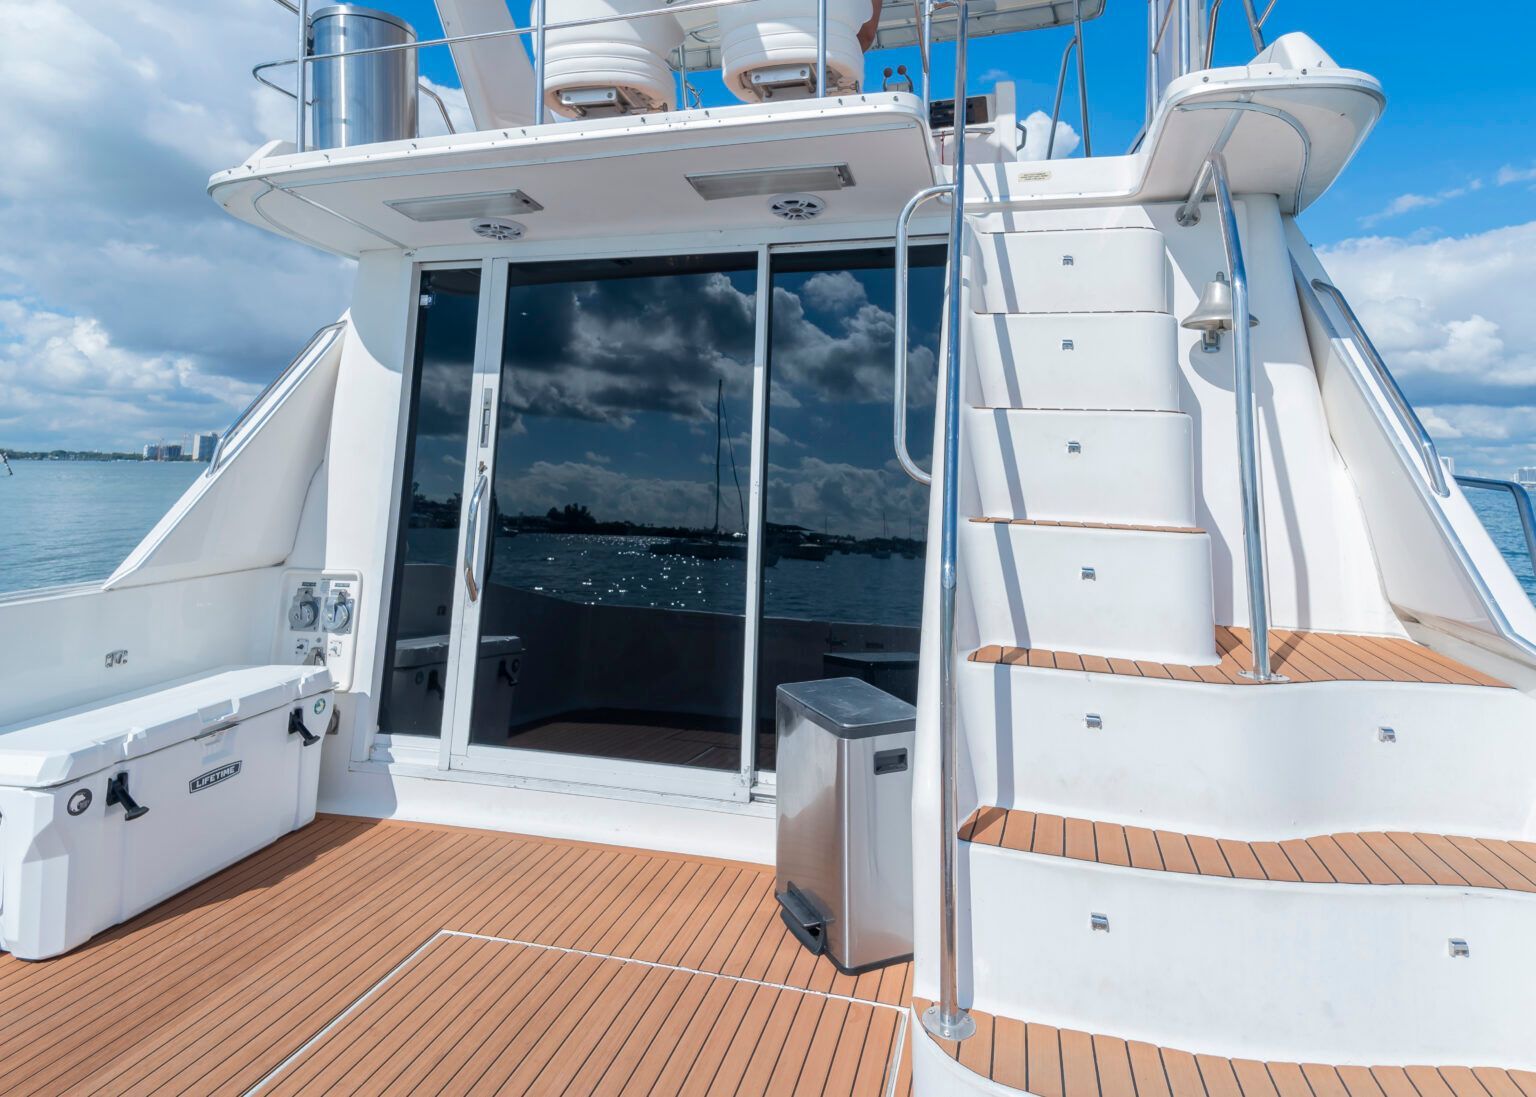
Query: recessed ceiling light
{"points": [[454, 207], [742, 184]]}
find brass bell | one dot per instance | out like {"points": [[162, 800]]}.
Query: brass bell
{"points": [[1213, 315]]}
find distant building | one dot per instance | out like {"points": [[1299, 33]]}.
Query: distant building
{"points": [[203, 446], [1526, 476], [151, 452], [170, 451]]}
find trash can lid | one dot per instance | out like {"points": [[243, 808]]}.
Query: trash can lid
{"points": [[850, 708]]}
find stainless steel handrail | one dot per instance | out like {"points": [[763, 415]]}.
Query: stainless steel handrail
{"points": [[1255, 26], [1522, 500], [1429, 454], [903, 291], [442, 108], [302, 362], [947, 1020], [1082, 84], [1214, 171], [472, 536]]}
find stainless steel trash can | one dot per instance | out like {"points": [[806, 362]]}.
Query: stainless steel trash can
{"points": [[367, 98], [844, 874]]}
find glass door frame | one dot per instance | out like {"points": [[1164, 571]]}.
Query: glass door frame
{"points": [[453, 750]]}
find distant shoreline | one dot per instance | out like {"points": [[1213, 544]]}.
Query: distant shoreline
{"points": [[87, 455]]}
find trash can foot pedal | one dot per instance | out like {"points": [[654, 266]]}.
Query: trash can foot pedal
{"points": [[807, 925]]}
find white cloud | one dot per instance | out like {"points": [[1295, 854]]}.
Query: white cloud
{"points": [[113, 261], [1037, 135], [1509, 174], [1452, 319]]}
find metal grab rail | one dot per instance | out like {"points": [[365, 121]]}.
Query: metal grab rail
{"points": [[472, 535], [319, 343], [1082, 84], [903, 292], [1255, 26], [1522, 500], [1429, 454], [1214, 171], [946, 1019]]}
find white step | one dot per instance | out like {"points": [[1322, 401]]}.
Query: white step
{"points": [[1351, 973], [1077, 270], [1128, 467], [1074, 360], [1127, 593], [1248, 762]]}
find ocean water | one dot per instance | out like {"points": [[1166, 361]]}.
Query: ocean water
{"points": [[74, 521]]}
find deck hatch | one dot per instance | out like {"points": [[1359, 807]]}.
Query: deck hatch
{"points": [[715, 185], [453, 207]]}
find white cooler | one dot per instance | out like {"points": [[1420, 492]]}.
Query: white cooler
{"points": [[107, 809]]}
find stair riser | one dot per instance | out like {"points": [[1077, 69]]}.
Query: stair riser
{"points": [[1149, 596], [1107, 360], [1289, 972], [1252, 763], [1090, 270], [1132, 468]]}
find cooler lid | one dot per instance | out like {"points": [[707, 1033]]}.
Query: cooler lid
{"points": [[66, 746]]}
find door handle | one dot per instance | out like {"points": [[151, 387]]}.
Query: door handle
{"points": [[472, 537]]}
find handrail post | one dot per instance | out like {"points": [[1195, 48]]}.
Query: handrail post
{"points": [[1082, 76], [301, 100], [903, 294], [1247, 428], [947, 1020], [538, 62], [821, 48], [1522, 500]]}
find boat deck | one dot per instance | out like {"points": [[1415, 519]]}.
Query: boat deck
{"points": [[382, 957]]}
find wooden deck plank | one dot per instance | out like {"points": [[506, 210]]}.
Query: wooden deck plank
{"points": [[1298, 656], [1372, 857]]}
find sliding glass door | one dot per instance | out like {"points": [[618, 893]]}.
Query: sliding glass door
{"points": [[637, 498]]}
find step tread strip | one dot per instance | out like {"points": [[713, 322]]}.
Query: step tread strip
{"points": [[1062, 1062], [1066, 524], [1298, 656], [1366, 857]]}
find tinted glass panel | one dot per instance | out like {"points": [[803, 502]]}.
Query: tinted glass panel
{"points": [[416, 653], [612, 622], [845, 527]]}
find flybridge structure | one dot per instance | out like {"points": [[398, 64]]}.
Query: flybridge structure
{"points": [[1099, 686]]}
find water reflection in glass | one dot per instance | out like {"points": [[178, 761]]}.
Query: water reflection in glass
{"points": [[416, 653], [845, 527], [612, 620]]}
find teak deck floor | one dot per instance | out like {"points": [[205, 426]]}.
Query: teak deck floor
{"points": [[380, 957], [1298, 656], [1060, 1062], [1370, 857]]}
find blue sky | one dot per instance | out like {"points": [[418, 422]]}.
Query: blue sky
{"points": [[131, 308]]}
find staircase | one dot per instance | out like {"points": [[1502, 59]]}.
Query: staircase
{"points": [[1156, 852]]}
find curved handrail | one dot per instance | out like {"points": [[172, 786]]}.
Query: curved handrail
{"points": [[303, 362], [1428, 453], [899, 385], [1522, 500], [472, 536]]}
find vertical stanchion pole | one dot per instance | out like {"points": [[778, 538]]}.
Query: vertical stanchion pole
{"points": [[947, 1020], [1082, 73], [301, 100], [538, 62], [821, 48]]}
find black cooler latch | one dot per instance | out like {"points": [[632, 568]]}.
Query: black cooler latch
{"points": [[117, 793], [296, 727]]}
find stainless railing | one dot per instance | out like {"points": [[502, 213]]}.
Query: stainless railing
{"points": [[538, 30], [1214, 172], [1082, 84], [302, 363], [1522, 500], [903, 293], [1255, 26], [946, 1019], [1434, 471]]}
